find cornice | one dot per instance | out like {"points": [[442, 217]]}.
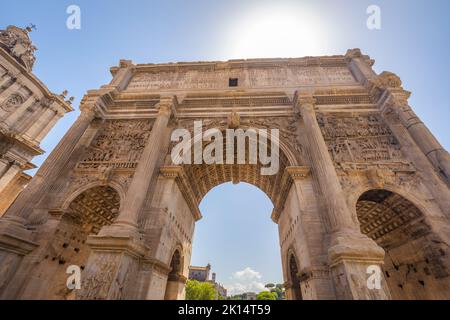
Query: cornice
{"points": [[35, 81]]}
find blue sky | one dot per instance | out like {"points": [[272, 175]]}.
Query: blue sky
{"points": [[413, 42]]}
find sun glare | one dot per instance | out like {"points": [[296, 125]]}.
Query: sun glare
{"points": [[277, 32]]}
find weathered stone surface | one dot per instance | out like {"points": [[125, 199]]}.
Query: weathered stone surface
{"points": [[356, 187], [28, 110]]}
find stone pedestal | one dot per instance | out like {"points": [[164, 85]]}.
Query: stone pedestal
{"points": [[112, 268], [350, 254], [175, 288], [15, 242]]}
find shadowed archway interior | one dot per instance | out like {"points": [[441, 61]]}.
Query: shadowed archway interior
{"points": [[413, 266]]}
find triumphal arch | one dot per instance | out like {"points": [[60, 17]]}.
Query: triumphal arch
{"points": [[361, 185]]}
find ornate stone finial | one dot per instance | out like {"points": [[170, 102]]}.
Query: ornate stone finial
{"points": [[18, 43], [64, 94], [71, 99], [30, 27], [234, 120], [389, 80]]}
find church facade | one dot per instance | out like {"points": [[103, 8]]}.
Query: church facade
{"points": [[28, 111]]}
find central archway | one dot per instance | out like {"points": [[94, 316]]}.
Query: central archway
{"points": [[195, 181], [238, 239]]}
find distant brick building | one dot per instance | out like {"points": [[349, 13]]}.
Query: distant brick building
{"points": [[202, 274], [199, 273]]}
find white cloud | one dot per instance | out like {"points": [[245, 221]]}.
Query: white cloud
{"points": [[247, 274], [247, 280]]}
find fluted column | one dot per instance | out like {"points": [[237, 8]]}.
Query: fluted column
{"points": [[338, 213], [350, 252], [52, 167], [425, 140], [41, 121], [15, 86], [393, 113], [9, 175], [57, 114], [5, 78], [140, 183]]}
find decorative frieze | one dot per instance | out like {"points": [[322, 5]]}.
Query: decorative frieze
{"points": [[217, 78], [362, 138], [118, 144]]}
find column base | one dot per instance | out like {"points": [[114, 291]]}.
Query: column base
{"points": [[175, 288], [16, 241], [112, 268], [350, 255]]}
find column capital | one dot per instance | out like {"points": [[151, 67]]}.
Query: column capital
{"points": [[356, 54], [299, 172], [393, 103], [304, 99], [88, 107], [167, 105]]}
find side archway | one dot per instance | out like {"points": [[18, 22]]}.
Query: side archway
{"points": [[85, 215], [175, 279], [294, 280], [414, 266]]}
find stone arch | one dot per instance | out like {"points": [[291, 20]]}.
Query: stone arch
{"points": [[415, 265], [201, 178], [293, 155], [293, 275], [117, 187], [87, 212], [410, 196], [175, 279]]}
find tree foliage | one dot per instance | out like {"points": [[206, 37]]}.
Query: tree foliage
{"points": [[196, 290], [266, 295]]}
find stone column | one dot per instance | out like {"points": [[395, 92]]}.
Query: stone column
{"points": [[41, 121], [15, 86], [5, 78], [425, 140], [394, 112], [15, 116], [16, 240], [9, 175], [57, 114], [350, 251], [361, 66], [119, 248], [339, 215], [140, 184], [52, 166]]}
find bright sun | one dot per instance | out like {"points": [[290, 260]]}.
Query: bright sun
{"points": [[277, 32]]}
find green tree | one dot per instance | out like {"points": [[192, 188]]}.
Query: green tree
{"points": [[196, 290], [278, 292], [266, 295], [269, 285]]}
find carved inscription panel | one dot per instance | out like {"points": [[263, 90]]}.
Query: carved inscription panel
{"points": [[251, 77], [118, 144], [363, 138]]}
